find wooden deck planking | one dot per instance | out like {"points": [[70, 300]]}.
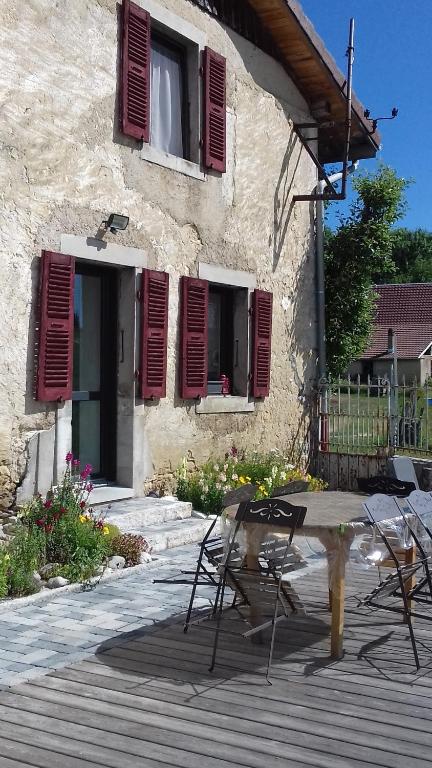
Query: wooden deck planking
{"points": [[150, 700]]}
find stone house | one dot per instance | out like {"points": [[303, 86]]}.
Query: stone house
{"points": [[407, 310], [157, 277]]}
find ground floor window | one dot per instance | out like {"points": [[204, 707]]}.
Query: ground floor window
{"points": [[227, 340]]}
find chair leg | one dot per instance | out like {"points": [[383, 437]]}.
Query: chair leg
{"points": [[192, 597], [409, 622], [221, 590], [274, 622]]}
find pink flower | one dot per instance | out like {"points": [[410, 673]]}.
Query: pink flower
{"points": [[82, 504], [40, 523], [89, 487], [48, 528], [69, 457], [75, 463], [88, 468], [62, 511], [84, 475], [48, 504]]}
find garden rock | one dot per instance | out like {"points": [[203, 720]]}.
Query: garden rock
{"points": [[36, 576], [116, 563], [200, 515], [10, 528], [57, 581], [47, 570], [145, 557]]}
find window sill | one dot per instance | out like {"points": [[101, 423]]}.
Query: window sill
{"points": [[172, 162], [225, 404]]}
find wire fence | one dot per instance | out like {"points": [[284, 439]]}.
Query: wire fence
{"points": [[360, 417]]}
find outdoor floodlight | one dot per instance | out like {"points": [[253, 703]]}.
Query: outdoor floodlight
{"points": [[116, 222]]}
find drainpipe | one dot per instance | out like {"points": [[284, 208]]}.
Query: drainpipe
{"points": [[320, 301]]}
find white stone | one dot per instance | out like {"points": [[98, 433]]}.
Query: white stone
{"points": [[116, 563], [57, 581], [145, 557], [199, 515], [46, 570], [10, 528]]}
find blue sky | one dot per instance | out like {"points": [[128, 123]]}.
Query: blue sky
{"points": [[393, 42]]}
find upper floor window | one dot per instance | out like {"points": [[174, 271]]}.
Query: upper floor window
{"points": [[173, 91], [168, 97]]}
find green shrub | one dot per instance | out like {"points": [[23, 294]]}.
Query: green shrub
{"points": [[26, 554], [130, 546], [71, 533]]}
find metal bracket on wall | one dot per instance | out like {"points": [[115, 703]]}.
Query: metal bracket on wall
{"points": [[332, 193]]}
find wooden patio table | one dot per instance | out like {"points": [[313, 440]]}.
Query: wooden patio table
{"points": [[335, 518]]}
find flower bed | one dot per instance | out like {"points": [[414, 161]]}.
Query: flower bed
{"points": [[61, 539], [205, 486]]}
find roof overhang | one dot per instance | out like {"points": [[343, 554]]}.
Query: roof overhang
{"points": [[319, 80]]}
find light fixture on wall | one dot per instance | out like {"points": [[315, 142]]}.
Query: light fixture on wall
{"points": [[116, 222]]}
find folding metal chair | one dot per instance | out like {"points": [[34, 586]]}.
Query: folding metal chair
{"points": [[418, 507], [385, 514], [262, 587], [211, 551]]}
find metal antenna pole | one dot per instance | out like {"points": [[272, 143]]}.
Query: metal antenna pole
{"points": [[350, 54]]}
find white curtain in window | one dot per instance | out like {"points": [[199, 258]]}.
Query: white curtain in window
{"points": [[166, 102]]}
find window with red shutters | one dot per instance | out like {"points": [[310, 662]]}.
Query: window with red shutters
{"points": [[55, 344], [135, 75], [154, 330], [194, 337], [214, 111], [262, 308]]}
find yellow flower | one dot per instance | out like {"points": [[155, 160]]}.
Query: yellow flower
{"points": [[83, 518], [105, 530], [248, 479], [7, 557], [262, 488], [242, 480]]}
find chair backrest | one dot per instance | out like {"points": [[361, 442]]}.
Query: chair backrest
{"points": [[295, 486], [276, 512], [381, 507], [243, 493], [402, 468], [383, 484], [420, 502]]}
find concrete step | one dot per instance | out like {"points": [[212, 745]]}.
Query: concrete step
{"points": [[176, 533], [139, 513]]}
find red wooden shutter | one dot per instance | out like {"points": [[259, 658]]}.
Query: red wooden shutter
{"points": [[154, 331], [214, 111], [135, 72], [194, 337], [262, 330], [54, 377]]}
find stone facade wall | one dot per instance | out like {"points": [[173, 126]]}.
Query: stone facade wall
{"points": [[65, 166]]}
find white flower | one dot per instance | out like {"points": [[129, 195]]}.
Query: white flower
{"points": [[274, 471], [225, 467], [290, 466], [222, 477], [283, 475], [218, 486], [201, 482], [216, 467], [235, 476], [205, 488]]}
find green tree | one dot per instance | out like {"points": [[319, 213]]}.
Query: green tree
{"points": [[412, 255], [358, 251]]}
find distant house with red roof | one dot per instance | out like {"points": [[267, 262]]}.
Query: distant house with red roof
{"points": [[407, 309]]}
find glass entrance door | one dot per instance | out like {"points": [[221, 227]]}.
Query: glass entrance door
{"points": [[94, 369]]}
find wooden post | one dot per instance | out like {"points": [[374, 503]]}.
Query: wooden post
{"points": [[338, 607]]}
